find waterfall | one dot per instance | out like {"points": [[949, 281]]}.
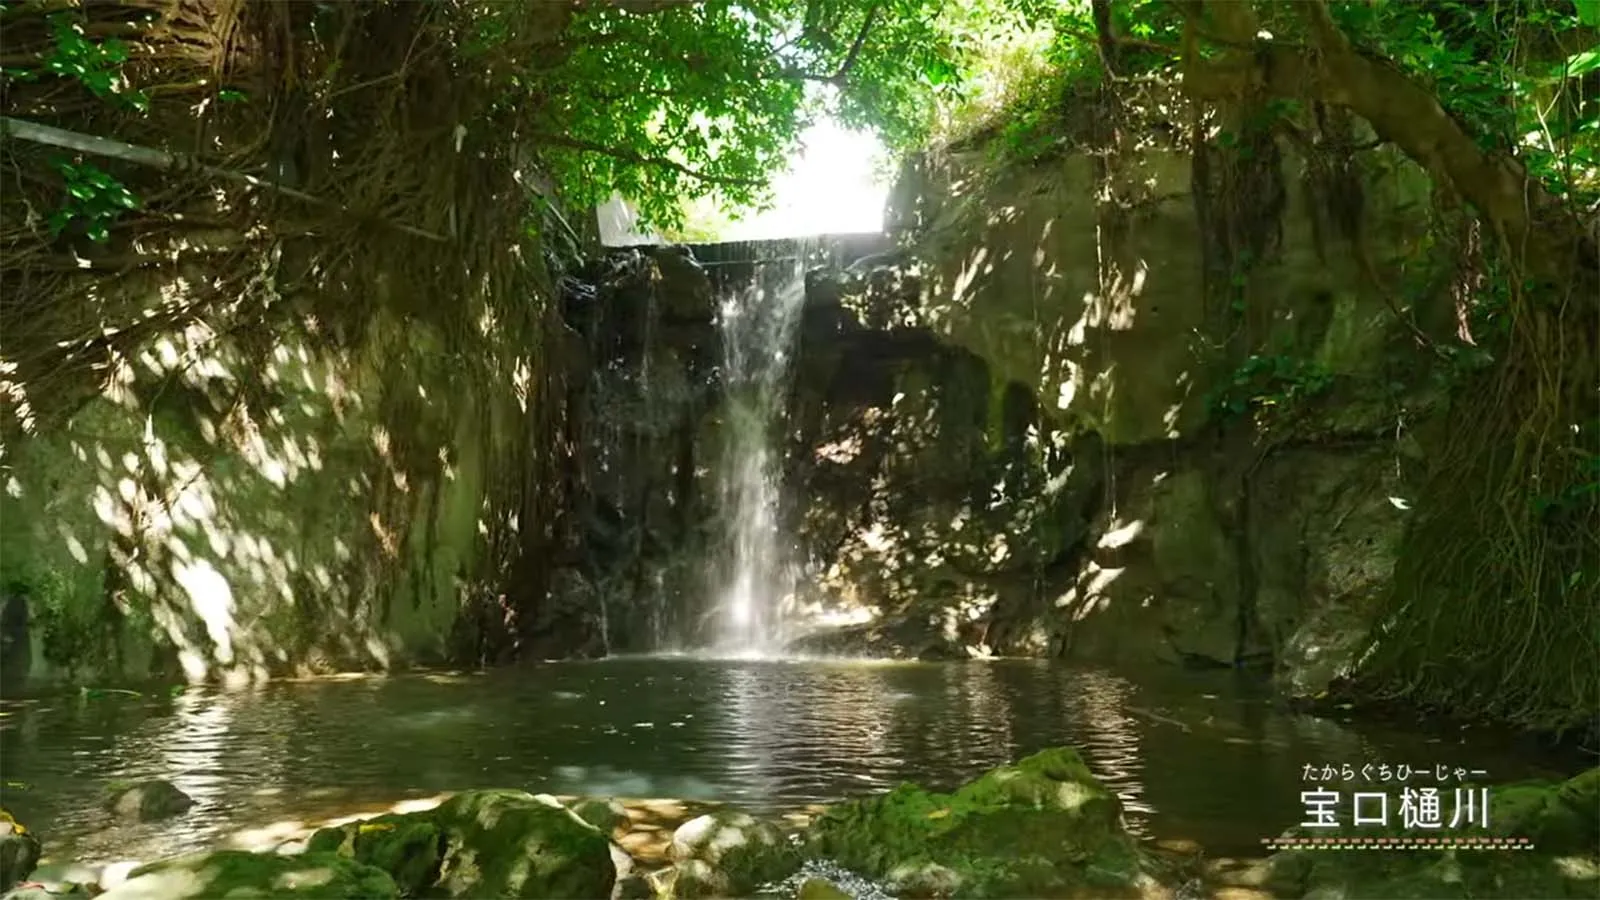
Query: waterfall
{"points": [[758, 326]]}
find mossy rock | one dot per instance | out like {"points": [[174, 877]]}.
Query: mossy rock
{"points": [[481, 844], [605, 814], [820, 889], [237, 875], [728, 853], [1042, 827], [513, 844], [1559, 818], [409, 847]]}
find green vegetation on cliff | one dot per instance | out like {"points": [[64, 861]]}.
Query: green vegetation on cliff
{"points": [[1498, 107]]}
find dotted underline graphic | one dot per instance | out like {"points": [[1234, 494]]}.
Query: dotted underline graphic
{"points": [[1398, 843]]}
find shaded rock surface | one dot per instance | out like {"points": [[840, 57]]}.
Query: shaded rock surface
{"points": [[19, 851], [236, 874], [482, 844]]}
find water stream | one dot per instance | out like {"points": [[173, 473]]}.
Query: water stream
{"points": [[758, 333]]}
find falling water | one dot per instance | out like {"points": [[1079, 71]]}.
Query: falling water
{"points": [[758, 335]]}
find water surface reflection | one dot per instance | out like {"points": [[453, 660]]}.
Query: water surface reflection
{"points": [[1204, 756]]}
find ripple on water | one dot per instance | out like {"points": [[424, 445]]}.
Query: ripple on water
{"points": [[1190, 754]]}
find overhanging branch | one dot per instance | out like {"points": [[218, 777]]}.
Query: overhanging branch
{"points": [[641, 159], [1411, 117]]}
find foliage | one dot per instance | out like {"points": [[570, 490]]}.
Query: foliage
{"points": [[665, 101], [1264, 382], [94, 200], [1497, 573], [97, 65]]}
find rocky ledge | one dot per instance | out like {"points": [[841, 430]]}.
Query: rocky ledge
{"points": [[1043, 827]]}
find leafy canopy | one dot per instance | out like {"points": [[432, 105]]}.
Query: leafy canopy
{"points": [[664, 100]]}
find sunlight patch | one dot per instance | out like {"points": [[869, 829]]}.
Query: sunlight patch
{"points": [[211, 598], [1121, 536]]}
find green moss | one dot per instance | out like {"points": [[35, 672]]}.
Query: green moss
{"points": [[408, 847], [481, 844], [511, 844], [235, 874], [1042, 826]]}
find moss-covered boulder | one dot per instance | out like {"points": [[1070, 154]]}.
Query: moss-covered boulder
{"points": [[409, 847], [482, 844], [820, 889], [237, 875], [148, 801], [606, 814], [19, 851], [729, 853], [1042, 827], [1561, 819]]}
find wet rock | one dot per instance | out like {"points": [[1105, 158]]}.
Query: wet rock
{"points": [[820, 889], [683, 290], [236, 873], [727, 852], [632, 882], [1041, 827], [19, 851], [482, 844], [696, 878], [1559, 818], [605, 814], [148, 801]]}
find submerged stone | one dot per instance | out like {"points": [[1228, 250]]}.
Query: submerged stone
{"points": [[1042, 827], [148, 801], [482, 844], [237, 874]]}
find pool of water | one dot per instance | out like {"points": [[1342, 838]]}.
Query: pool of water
{"points": [[1207, 757]]}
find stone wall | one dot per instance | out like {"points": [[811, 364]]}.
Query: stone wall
{"points": [[232, 508]]}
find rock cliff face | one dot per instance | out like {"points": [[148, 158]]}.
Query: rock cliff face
{"points": [[232, 508], [1026, 437]]}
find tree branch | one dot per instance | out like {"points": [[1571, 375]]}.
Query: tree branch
{"points": [[1409, 116], [857, 44], [641, 159]]}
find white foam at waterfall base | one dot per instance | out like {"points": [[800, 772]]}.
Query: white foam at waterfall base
{"points": [[758, 335]]}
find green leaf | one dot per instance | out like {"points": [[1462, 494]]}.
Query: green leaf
{"points": [[1581, 64], [58, 221], [1588, 11]]}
